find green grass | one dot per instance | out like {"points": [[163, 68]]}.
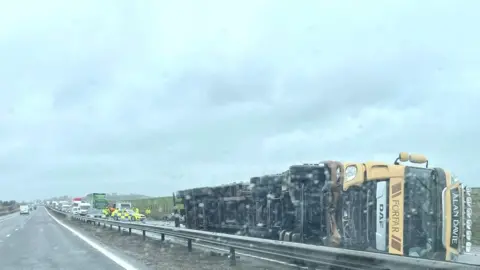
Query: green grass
{"points": [[160, 206]]}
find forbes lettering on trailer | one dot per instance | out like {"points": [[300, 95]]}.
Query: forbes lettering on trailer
{"points": [[456, 215]]}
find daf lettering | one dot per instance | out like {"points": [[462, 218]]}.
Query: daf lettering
{"points": [[382, 217]]}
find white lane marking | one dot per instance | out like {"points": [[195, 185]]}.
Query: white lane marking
{"points": [[16, 229], [8, 235], [100, 249]]}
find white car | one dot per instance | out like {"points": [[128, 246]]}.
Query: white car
{"points": [[95, 213], [24, 210]]}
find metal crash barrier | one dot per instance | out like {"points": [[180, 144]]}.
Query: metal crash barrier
{"points": [[310, 255]]}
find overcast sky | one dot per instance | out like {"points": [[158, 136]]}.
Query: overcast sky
{"points": [[147, 97]]}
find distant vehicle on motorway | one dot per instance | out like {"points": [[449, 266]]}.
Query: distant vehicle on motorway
{"points": [[84, 208], [76, 202], [95, 213], [97, 200], [134, 216], [24, 209], [66, 208], [76, 210], [122, 205]]}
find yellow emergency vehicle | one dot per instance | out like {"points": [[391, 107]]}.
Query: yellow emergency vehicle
{"points": [[135, 216]]}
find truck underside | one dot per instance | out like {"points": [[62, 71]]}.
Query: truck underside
{"points": [[307, 204]]}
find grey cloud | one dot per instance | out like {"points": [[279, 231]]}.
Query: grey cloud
{"points": [[151, 100]]}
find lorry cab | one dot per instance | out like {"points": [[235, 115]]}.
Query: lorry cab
{"points": [[405, 210], [76, 202]]}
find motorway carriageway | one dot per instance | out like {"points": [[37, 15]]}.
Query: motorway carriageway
{"points": [[40, 241]]}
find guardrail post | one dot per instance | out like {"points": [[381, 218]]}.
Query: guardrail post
{"points": [[104, 225], [233, 260], [129, 230], [111, 226], [163, 236], [189, 241], [118, 228], [144, 235]]}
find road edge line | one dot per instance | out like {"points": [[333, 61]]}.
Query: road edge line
{"points": [[116, 259]]}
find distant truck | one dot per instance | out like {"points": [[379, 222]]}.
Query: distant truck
{"points": [[61, 204], [97, 200], [76, 202], [24, 209]]}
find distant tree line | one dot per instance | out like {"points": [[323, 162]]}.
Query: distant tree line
{"points": [[125, 197], [110, 196], [8, 205]]}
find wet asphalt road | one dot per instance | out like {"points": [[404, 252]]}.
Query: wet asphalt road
{"points": [[152, 253], [37, 242]]}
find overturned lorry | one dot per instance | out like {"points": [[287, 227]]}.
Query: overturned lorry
{"points": [[380, 207]]}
